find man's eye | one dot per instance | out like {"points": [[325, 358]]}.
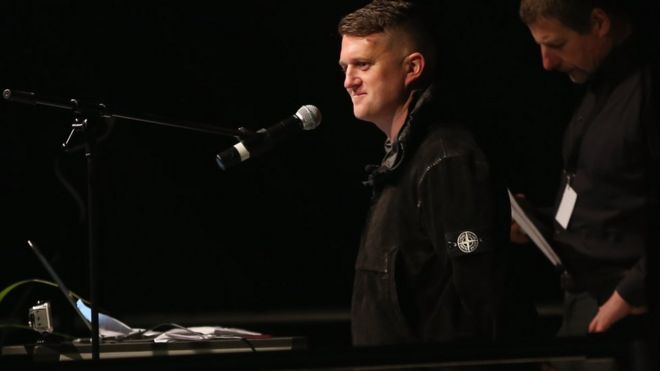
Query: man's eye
{"points": [[555, 46]]}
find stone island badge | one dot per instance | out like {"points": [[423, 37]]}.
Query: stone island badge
{"points": [[467, 242]]}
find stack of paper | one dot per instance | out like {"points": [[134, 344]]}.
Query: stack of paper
{"points": [[523, 219], [111, 328]]}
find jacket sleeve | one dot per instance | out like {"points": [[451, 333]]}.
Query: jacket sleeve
{"points": [[457, 211]]}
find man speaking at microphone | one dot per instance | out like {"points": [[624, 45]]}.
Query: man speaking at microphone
{"points": [[432, 261]]}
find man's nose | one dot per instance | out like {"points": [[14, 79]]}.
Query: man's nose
{"points": [[350, 80], [549, 59]]}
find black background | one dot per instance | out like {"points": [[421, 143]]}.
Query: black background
{"points": [[178, 236]]}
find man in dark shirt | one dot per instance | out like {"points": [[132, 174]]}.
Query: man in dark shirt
{"points": [[607, 206], [431, 264]]}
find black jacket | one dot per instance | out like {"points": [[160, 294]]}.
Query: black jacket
{"points": [[432, 262]]}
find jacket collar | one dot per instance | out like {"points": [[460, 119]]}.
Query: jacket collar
{"points": [[395, 151]]}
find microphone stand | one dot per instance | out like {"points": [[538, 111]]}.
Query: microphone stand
{"points": [[85, 117]]}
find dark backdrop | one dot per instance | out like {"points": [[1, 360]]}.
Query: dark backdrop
{"points": [[279, 232]]}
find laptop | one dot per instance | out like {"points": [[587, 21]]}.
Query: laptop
{"points": [[60, 284]]}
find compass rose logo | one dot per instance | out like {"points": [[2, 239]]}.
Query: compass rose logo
{"points": [[467, 242]]}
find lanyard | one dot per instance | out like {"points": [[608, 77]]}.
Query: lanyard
{"points": [[583, 124]]}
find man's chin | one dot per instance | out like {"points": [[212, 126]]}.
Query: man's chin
{"points": [[359, 114], [578, 77]]}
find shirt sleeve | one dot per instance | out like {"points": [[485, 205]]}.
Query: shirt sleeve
{"points": [[631, 287]]}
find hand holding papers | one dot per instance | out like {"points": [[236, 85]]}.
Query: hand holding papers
{"points": [[531, 228]]}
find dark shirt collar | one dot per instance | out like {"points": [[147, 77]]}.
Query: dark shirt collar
{"points": [[617, 65]]}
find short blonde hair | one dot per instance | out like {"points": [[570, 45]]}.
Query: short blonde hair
{"points": [[394, 15]]}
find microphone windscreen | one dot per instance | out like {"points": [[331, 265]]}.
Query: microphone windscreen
{"points": [[310, 116]]}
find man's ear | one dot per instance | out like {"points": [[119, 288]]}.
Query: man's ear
{"points": [[414, 64], [601, 23]]}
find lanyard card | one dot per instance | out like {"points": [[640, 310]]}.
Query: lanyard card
{"points": [[566, 206]]}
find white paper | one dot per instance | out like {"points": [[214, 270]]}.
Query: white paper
{"points": [[520, 217], [110, 327], [203, 333]]}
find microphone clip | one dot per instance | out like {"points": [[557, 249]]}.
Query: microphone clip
{"points": [[261, 138], [245, 133]]}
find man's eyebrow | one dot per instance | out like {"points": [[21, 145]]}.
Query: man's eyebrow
{"points": [[548, 39], [552, 42], [344, 64]]}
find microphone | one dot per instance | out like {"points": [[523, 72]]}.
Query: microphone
{"points": [[26, 97], [307, 118]]}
